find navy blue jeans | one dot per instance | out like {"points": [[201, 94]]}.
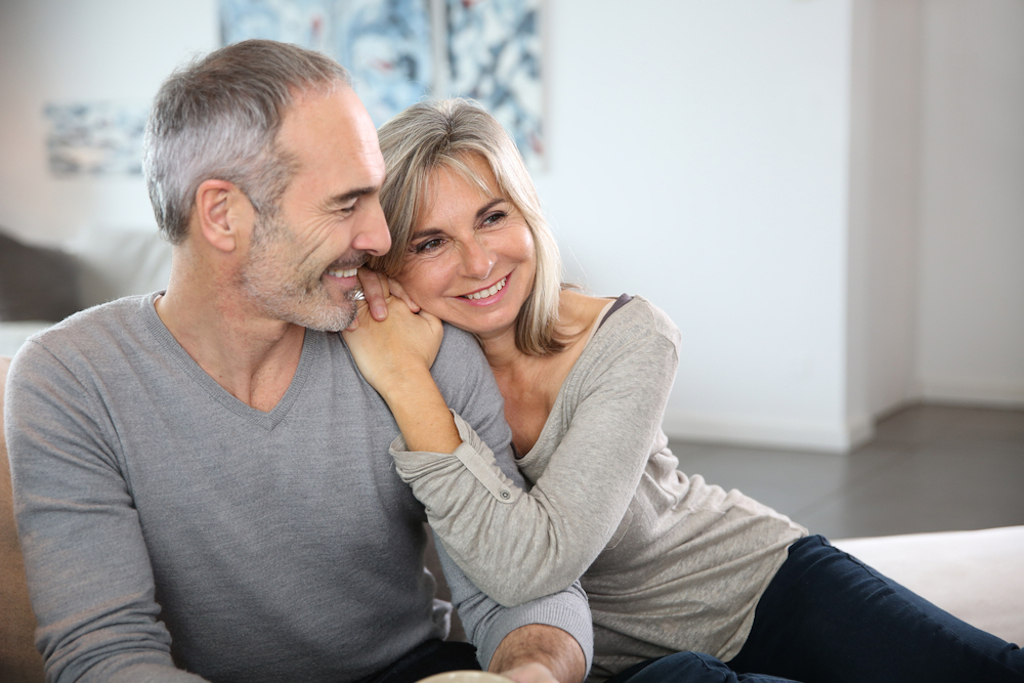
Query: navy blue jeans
{"points": [[432, 657], [826, 617]]}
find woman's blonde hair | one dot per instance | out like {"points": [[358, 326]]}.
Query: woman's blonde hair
{"points": [[444, 134]]}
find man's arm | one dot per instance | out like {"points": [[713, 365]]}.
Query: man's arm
{"points": [[86, 561], [538, 653], [555, 631]]}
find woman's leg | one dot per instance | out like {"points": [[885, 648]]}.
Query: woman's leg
{"points": [[431, 657], [688, 667], [828, 618]]}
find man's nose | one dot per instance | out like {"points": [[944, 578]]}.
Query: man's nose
{"points": [[372, 234]]}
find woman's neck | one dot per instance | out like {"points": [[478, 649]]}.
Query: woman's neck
{"points": [[530, 384]]}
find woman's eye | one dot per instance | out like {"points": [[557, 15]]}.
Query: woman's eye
{"points": [[494, 218], [428, 246]]}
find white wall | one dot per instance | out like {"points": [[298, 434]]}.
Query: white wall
{"points": [[884, 206], [971, 308], [54, 51], [699, 158], [754, 167]]}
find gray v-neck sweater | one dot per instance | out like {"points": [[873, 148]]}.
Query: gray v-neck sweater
{"points": [[276, 546]]}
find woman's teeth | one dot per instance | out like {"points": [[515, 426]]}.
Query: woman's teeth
{"points": [[347, 272], [484, 293]]}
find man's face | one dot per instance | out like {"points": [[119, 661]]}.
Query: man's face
{"points": [[302, 261]]}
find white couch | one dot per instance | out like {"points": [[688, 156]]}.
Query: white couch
{"points": [[975, 575], [107, 263]]}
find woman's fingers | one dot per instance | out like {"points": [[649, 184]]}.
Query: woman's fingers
{"points": [[360, 308], [376, 289], [399, 291]]}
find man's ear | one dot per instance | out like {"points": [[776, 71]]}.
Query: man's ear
{"points": [[225, 215]]}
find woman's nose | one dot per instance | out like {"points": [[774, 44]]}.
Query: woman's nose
{"points": [[477, 259]]}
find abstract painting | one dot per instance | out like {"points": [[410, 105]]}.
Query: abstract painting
{"points": [[95, 138], [400, 51], [494, 50]]}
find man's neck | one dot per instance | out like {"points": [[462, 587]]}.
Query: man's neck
{"points": [[251, 357]]}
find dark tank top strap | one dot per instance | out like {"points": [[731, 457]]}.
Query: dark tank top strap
{"points": [[619, 303]]}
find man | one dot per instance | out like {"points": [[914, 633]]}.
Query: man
{"points": [[206, 463]]}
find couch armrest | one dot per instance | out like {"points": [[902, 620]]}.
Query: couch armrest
{"points": [[19, 660]]}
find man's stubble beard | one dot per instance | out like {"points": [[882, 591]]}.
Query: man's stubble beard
{"points": [[302, 299]]}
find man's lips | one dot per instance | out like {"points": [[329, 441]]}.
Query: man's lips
{"points": [[342, 272], [487, 291]]}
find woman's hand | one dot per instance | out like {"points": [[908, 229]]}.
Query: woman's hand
{"points": [[377, 287], [390, 351], [395, 357]]}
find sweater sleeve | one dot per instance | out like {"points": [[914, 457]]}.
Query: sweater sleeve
{"points": [[89, 575], [518, 546], [469, 387]]}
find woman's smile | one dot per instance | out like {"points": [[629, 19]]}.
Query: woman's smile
{"points": [[472, 259], [487, 295]]}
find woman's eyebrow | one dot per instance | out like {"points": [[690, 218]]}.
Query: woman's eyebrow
{"points": [[489, 205], [426, 232]]}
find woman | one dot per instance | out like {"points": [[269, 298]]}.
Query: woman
{"points": [[671, 563]]}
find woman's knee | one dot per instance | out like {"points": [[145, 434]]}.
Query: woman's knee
{"points": [[684, 667]]}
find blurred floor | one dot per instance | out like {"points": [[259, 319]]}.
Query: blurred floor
{"points": [[928, 468]]}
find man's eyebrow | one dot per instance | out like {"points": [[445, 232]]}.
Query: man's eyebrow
{"points": [[342, 199]]}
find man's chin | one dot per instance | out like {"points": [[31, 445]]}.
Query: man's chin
{"points": [[327, 320]]}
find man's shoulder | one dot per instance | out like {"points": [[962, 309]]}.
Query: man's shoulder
{"points": [[456, 339], [113, 314], [89, 336], [465, 379], [460, 357]]}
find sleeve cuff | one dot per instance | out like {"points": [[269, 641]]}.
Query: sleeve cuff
{"points": [[551, 611], [472, 453]]}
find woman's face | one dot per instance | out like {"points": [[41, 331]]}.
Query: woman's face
{"points": [[471, 260]]}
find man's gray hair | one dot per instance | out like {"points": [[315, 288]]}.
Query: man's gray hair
{"points": [[218, 118]]}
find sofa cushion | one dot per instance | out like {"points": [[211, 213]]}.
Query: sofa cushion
{"points": [[115, 262], [36, 283]]}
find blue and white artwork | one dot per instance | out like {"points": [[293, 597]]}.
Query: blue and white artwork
{"points": [[386, 45], [309, 23], [494, 49], [95, 138]]}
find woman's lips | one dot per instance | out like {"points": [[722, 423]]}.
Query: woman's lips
{"points": [[487, 292]]}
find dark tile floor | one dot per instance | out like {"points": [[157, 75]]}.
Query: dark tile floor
{"points": [[928, 468]]}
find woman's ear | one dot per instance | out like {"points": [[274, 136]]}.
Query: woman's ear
{"points": [[224, 213]]}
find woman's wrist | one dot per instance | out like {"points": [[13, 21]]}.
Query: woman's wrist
{"points": [[421, 412]]}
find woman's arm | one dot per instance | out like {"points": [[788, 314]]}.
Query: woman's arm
{"points": [[395, 355], [518, 546]]}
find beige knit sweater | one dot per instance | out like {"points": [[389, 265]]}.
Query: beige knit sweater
{"points": [[668, 561]]}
